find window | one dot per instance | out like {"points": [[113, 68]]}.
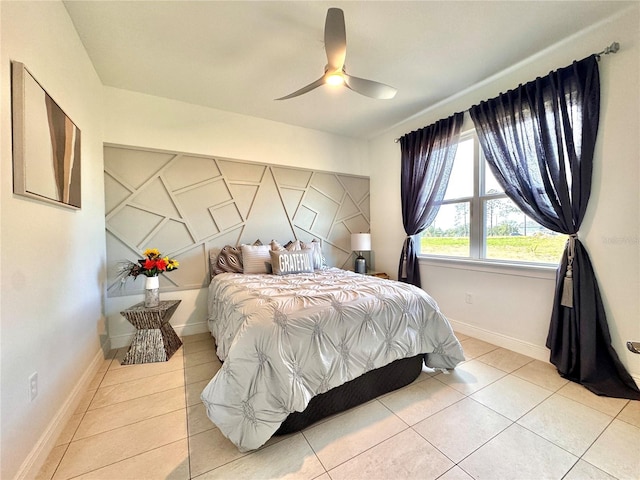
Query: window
{"points": [[477, 220]]}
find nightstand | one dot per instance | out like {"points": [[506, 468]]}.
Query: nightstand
{"points": [[379, 275], [155, 339]]}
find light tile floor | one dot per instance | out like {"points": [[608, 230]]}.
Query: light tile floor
{"points": [[499, 415]]}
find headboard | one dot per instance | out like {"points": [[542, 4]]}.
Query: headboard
{"points": [[188, 205]]}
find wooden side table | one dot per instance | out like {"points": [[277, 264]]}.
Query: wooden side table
{"points": [[155, 339], [379, 275]]}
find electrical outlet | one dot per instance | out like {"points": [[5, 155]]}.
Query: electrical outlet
{"points": [[468, 298], [33, 386]]}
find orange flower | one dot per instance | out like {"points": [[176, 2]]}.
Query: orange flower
{"points": [[161, 264], [149, 264]]}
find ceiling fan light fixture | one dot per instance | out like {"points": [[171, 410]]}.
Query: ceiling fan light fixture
{"points": [[335, 79]]}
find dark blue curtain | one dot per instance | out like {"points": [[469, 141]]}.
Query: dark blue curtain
{"points": [[427, 159], [539, 141]]}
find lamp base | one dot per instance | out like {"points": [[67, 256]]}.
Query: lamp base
{"points": [[361, 265]]}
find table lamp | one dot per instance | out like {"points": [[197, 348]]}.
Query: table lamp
{"points": [[360, 242]]}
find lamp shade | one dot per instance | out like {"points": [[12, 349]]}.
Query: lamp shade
{"points": [[360, 242]]}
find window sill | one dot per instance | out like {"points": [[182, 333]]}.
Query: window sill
{"points": [[492, 266]]}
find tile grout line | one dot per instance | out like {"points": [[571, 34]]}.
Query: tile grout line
{"points": [[121, 426], [132, 399], [409, 427], [577, 457], [591, 393], [68, 444], [584, 405], [137, 378], [457, 464], [625, 421], [365, 450], [594, 442], [195, 404], [155, 416], [316, 455], [118, 461], [66, 448], [124, 426], [186, 409]]}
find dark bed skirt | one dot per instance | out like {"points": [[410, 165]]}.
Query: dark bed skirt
{"points": [[372, 384]]}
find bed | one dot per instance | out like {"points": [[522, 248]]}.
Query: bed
{"points": [[299, 347]]}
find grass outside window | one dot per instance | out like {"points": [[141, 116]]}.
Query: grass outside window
{"points": [[536, 248]]}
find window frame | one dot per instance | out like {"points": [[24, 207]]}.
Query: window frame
{"points": [[477, 215]]}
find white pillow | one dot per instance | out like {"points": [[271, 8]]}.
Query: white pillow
{"points": [[256, 259], [318, 258]]}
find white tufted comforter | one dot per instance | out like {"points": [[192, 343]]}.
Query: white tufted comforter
{"points": [[284, 339]]}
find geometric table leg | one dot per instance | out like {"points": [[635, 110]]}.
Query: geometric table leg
{"points": [[170, 339], [155, 340], [147, 346]]}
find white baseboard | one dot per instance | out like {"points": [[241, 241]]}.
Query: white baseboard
{"points": [[510, 343], [120, 341], [47, 441]]}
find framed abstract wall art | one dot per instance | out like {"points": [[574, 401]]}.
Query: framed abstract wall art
{"points": [[46, 144]]}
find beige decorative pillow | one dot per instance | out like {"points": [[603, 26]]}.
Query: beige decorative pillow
{"points": [[284, 262], [289, 246], [256, 259], [275, 246], [293, 245]]}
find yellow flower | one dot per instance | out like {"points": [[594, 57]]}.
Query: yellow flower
{"points": [[151, 253], [171, 263]]}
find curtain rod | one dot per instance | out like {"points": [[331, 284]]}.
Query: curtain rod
{"points": [[613, 48]]}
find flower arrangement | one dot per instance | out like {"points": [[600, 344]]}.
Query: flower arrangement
{"points": [[151, 265]]}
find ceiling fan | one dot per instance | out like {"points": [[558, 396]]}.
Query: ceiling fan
{"points": [[335, 45]]}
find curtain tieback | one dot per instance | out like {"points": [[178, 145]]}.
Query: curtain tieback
{"points": [[567, 287]]}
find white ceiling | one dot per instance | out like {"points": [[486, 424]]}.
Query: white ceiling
{"points": [[239, 56]]}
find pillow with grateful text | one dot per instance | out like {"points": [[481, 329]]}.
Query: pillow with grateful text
{"points": [[284, 262]]}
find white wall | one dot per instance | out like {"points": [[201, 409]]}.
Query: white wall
{"points": [[509, 307], [52, 258], [138, 120]]}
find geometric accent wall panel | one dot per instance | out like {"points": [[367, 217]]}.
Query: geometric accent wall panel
{"points": [[186, 204]]}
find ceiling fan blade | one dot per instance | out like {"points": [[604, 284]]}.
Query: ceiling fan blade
{"points": [[335, 44], [369, 88], [306, 89], [335, 39]]}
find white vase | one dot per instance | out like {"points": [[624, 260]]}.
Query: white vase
{"points": [[152, 292]]}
